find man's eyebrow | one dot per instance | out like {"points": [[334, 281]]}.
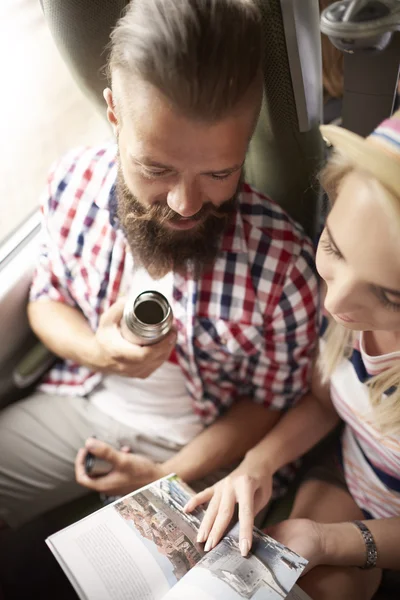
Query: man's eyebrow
{"points": [[227, 170], [147, 161]]}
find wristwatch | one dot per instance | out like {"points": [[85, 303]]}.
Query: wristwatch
{"points": [[370, 546]]}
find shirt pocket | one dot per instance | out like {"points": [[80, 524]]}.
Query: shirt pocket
{"points": [[226, 342]]}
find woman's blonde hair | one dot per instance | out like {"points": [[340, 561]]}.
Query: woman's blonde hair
{"points": [[339, 341]]}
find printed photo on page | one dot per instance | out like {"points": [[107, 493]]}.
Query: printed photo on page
{"points": [[268, 573], [156, 515]]}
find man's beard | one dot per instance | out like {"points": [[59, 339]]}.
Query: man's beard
{"points": [[160, 249]]}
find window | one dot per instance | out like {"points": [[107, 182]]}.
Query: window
{"points": [[42, 111]]}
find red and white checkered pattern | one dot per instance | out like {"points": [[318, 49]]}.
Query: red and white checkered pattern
{"points": [[247, 328]]}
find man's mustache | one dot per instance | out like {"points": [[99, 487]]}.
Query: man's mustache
{"points": [[162, 213], [159, 212]]}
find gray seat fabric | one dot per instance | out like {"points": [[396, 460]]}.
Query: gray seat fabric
{"points": [[282, 161], [81, 30]]}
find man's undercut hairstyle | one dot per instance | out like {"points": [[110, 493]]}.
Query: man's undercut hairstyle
{"points": [[203, 55]]}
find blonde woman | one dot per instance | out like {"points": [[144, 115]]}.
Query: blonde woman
{"points": [[346, 516]]}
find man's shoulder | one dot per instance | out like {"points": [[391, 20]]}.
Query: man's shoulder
{"points": [[278, 250], [266, 220], [85, 175]]}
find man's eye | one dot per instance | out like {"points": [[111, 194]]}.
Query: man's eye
{"points": [[220, 176], [155, 172]]}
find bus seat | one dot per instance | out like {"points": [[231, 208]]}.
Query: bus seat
{"points": [[23, 359]]}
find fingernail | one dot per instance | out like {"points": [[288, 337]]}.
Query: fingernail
{"points": [[209, 545], [91, 443], [201, 537], [244, 547]]}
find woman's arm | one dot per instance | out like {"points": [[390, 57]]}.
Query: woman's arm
{"points": [[344, 544], [340, 544], [298, 431], [251, 483]]}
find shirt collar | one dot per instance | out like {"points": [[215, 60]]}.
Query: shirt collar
{"points": [[106, 199], [233, 239]]}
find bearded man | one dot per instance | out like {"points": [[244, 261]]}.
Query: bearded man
{"points": [[165, 208]]}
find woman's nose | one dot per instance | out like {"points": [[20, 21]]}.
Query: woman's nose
{"points": [[343, 296]]}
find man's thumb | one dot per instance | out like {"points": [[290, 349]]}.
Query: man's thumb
{"points": [[114, 314], [102, 450]]}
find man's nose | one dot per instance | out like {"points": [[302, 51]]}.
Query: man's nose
{"points": [[343, 296], [185, 199]]}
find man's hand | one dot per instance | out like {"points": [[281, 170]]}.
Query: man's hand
{"points": [[304, 536], [248, 486], [113, 354], [129, 471]]}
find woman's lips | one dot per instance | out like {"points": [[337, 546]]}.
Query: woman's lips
{"points": [[345, 318]]}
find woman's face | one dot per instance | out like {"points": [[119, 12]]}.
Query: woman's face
{"points": [[358, 257]]}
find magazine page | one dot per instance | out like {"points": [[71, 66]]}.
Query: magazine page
{"points": [[268, 573], [139, 547], [297, 593]]}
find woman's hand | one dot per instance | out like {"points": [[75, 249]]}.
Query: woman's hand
{"points": [[304, 536], [250, 486]]}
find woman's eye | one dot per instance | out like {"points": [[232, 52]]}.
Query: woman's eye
{"points": [[329, 248], [385, 300]]}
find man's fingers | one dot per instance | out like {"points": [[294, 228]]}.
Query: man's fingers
{"points": [[161, 349], [114, 314], [128, 352], [102, 450], [245, 498], [198, 499], [80, 463], [80, 474], [222, 519]]}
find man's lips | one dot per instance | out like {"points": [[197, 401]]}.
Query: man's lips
{"points": [[183, 224]]}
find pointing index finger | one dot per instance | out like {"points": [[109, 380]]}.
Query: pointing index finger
{"points": [[245, 498]]}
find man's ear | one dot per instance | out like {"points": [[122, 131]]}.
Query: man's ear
{"points": [[111, 111]]}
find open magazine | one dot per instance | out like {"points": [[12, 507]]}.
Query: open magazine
{"points": [[143, 547]]}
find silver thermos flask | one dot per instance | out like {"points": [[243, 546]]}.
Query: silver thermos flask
{"points": [[146, 320]]}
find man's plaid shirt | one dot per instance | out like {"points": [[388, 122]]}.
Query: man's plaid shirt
{"points": [[247, 328]]}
